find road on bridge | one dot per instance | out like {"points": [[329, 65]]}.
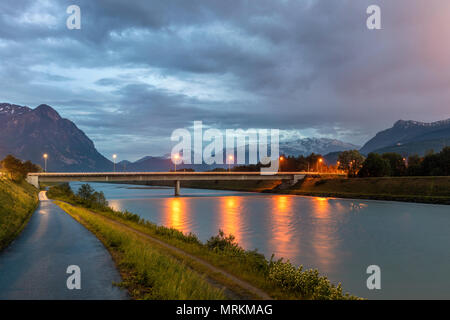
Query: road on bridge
{"points": [[34, 266]]}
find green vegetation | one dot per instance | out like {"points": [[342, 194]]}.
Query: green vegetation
{"points": [[148, 272], [279, 278], [393, 164], [16, 169], [411, 189], [18, 200], [375, 166], [350, 161]]}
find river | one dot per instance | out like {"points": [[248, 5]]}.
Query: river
{"points": [[340, 237]]}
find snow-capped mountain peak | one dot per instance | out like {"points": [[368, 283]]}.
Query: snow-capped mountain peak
{"points": [[307, 146]]}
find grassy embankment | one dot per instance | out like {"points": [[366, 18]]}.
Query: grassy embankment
{"points": [[122, 234], [18, 200], [148, 272]]}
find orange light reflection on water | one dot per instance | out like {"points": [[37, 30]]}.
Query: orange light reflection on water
{"points": [[282, 234], [230, 219], [175, 213], [324, 242]]}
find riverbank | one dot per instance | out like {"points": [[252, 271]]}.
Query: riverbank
{"points": [[220, 261], [18, 201], [434, 190]]}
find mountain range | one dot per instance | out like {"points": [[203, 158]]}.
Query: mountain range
{"points": [[304, 147], [410, 137], [29, 133]]}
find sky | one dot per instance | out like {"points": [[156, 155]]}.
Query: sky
{"points": [[137, 70]]}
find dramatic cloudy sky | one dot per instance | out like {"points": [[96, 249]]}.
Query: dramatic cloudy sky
{"points": [[139, 69]]}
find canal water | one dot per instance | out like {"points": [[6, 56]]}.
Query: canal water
{"points": [[340, 237]]}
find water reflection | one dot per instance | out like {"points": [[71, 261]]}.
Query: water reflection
{"points": [[175, 213], [339, 237], [324, 233], [230, 217], [281, 222]]}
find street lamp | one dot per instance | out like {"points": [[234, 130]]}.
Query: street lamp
{"points": [[45, 162], [175, 160], [281, 160], [114, 161], [320, 162], [230, 161]]}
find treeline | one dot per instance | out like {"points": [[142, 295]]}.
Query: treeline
{"points": [[17, 169], [393, 164], [355, 164]]}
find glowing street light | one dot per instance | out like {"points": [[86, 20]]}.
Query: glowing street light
{"points": [[319, 162], [281, 160], [175, 160], [45, 161], [230, 161], [114, 161]]}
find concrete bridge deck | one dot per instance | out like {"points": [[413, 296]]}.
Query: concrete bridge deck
{"points": [[36, 178]]}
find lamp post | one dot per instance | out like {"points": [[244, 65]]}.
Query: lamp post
{"points": [[175, 159], [319, 162], [281, 160], [114, 161], [45, 162], [230, 160]]}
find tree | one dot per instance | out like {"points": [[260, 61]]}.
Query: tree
{"points": [[374, 166], [13, 167], [350, 161], [16, 169], [29, 166], [414, 165], [396, 162], [98, 199], [85, 192], [437, 164]]}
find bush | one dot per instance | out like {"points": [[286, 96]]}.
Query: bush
{"points": [[306, 284]]}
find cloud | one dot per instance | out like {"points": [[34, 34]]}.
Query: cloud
{"points": [[138, 70]]}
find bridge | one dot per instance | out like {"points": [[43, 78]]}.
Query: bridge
{"points": [[286, 177]]}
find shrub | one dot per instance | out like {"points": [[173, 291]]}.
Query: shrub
{"points": [[306, 284]]}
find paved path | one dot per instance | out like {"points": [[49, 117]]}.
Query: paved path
{"points": [[34, 266]]}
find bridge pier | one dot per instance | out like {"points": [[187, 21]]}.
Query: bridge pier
{"points": [[177, 188]]}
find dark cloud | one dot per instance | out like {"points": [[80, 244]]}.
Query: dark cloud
{"points": [[139, 69]]}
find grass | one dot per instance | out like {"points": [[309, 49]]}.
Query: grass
{"points": [[410, 189], [224, 253], [18, 200], [147, 271]]}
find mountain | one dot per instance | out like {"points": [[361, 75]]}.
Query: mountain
{"points": [[409, 137], [314, 145], [29, 133], [159, 164]]}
